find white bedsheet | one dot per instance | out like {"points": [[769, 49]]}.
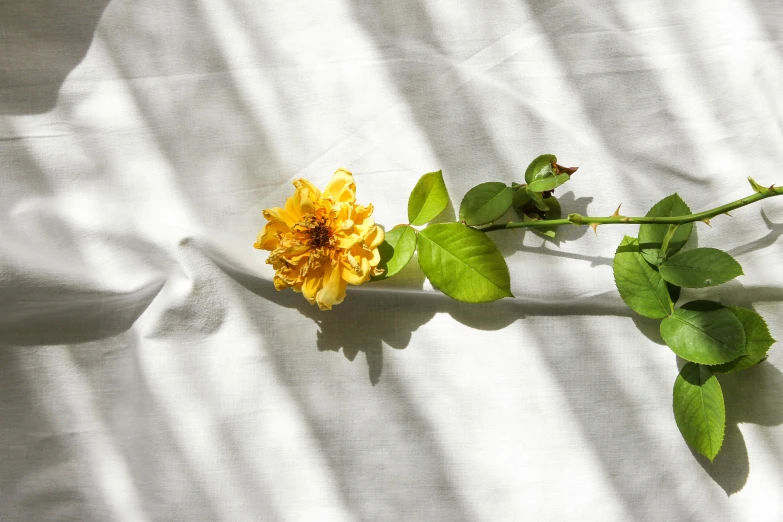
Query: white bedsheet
{"points": [[150, 371]]}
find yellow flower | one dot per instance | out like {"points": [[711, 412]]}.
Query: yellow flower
{"points": [[322, 242]]}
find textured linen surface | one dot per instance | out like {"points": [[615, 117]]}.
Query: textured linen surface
{"points": [[150, 371]]}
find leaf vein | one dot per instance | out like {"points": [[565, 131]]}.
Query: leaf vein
{"points": [[705, 332], [444, 249]]}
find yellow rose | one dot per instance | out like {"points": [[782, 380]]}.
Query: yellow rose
{"points": [[322, 242]]}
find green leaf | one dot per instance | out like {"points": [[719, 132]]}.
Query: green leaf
{"points": [[700, 267], [485, 203], [541, 167], [699, 409], [651, 236], [396, 251], [521, 200], [668, 236], [428, 199], [548, 183], [756, 187], [537, 198], [463, 263], [641, 287], [757, 341], [704, 332], [554, 212]]}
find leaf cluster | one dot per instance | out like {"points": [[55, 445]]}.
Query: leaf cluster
{"points": [[459, 260], [649, 272]]}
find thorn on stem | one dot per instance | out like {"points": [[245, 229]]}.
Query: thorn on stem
{"points": [[617, 212], [707, 221], [594, 226]]}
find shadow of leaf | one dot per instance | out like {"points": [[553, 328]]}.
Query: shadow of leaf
{"points": [[571, 204], [363, 323], [751, 396], [651, 328]]}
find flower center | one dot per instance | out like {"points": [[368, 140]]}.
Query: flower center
{"points": [[320, 235]]}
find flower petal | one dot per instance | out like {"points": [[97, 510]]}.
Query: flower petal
{"points": [[353, 270], [293, 205], [279, 214], [375, 258], [364, 228], [312, 284], [374, 237], [333, 291], [267, 238], [308, 195], [357, 275], [361, 213], [346, 241], [341, 187], [303, 183]]}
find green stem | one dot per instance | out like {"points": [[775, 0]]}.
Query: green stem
{"points": [[666, 239], [579, 220]]}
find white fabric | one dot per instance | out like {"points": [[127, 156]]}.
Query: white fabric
{"points": [[150, 371]]}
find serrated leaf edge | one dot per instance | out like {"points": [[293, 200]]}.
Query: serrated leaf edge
{"points": [[670, 308], [716, 368], [704, 408], [415, 245], [740, 354], [505, 265], [505, 188]]}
